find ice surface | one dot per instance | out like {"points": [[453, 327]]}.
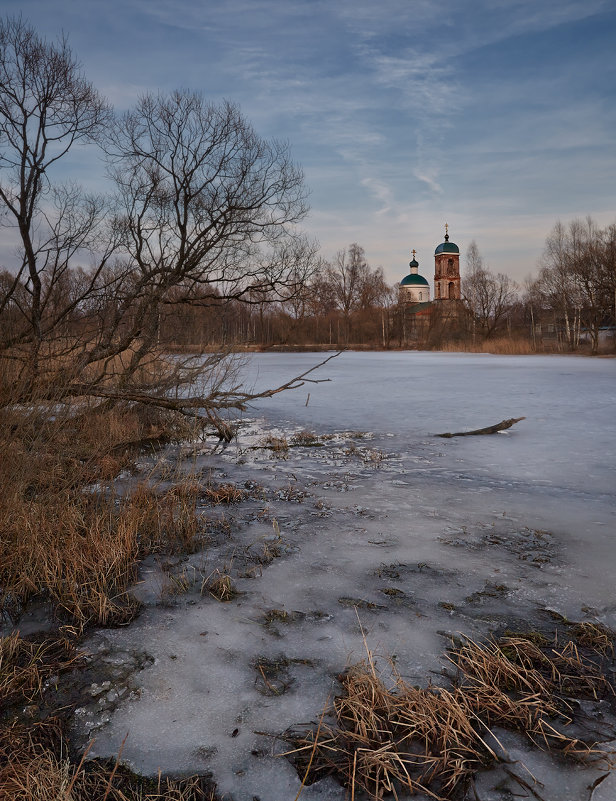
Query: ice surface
{"points": [[424, 537]]}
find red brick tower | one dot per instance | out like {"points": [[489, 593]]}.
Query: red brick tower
{"points": [[447, 270]]}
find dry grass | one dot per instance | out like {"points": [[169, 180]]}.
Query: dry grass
{"points": [[69, 541], [80, 550], [594, 635], [26, 664], [34, 766], [167, 521], [223, 493], [433, 740], [385, 740], [373, 456], [75, 554], [499, 345], [219, 586], [306, 439], [34, 761], [369, 456], [279, 445]]}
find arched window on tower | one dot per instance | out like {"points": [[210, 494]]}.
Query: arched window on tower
{"points": [[438, 290], [452, 291]]}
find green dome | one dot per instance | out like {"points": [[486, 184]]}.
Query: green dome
{"points": [[447, 247], [414, 280], [414, 263]]}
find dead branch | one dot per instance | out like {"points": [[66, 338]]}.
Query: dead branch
{"points": [[504, 424], [212, 403]]}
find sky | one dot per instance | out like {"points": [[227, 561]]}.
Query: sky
{"points": [[495, 116]]}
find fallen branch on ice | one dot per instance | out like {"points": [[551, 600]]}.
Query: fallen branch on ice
{"points": [[489, 430]]}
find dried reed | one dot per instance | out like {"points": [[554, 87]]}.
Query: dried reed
{"points": [[504, 346], [224, 493], [71, 542], [433, 740]]}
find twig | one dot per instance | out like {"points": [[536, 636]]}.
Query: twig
{"points": [[314, 748], [67, 793], [267, 684], [595, 784], [523, 784], [115, 767]]}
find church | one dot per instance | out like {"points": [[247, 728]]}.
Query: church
{"points": [[417, 310]]}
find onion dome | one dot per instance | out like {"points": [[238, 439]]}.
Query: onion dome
{"points": [[414, 280], [447, 246]]}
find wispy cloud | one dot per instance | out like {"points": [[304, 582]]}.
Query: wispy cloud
{"points": [[381, 192], [495, 115], [429, 180]]}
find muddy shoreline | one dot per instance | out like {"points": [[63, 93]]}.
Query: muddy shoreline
{"points": [[306, 509]]}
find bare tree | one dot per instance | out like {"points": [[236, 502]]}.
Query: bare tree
{"points": [[472, 282], [353, 285], [205, 212], [608, 271], [299, 294], [346, 276], [489, 297], [577, 280], [199, 192], [556, 285], [593, 268], [46, 107], [474, 259], [373, 290], [203, 204], [323, 300]]}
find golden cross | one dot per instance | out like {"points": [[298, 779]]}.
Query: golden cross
{"points": [[413, 252], [446, 228]]}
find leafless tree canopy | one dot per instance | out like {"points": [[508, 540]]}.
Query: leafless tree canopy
{"points": [[488, 297], [577, 281], [199, 193], [353, 284], [46, 106], [200, 210], [350, 285]]}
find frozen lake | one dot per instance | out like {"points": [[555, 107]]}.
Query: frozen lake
{"points": [[558, 465], [425, 537], [568, 439]]}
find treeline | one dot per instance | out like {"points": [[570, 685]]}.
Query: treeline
{"points": [[576, 288], [570, 305], [342, 302]]}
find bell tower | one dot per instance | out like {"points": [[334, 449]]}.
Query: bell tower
{"points": [[447, 270]]}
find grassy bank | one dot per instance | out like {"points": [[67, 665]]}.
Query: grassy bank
{"points": [[520, 346], [71, 542]]}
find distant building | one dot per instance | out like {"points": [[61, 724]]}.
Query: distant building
{"points": [[414, 288], [418, 311], [447, 270]]}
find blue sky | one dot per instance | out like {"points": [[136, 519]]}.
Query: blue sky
{"points": [[498, 117]]}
